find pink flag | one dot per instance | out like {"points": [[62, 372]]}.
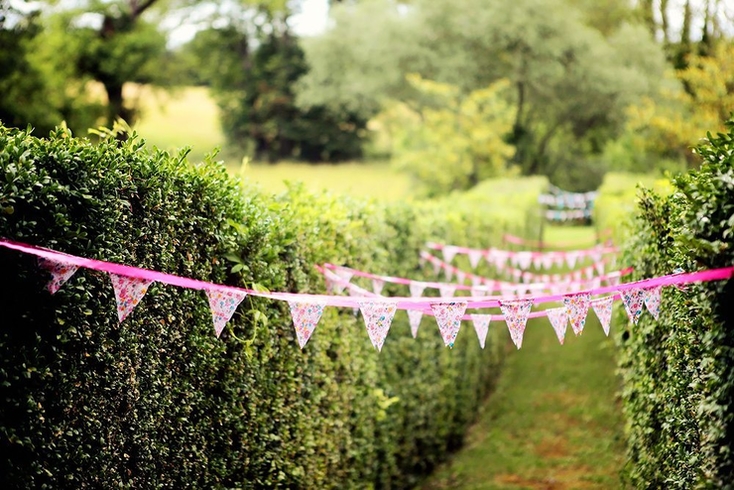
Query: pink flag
{"points": [[414, 318], [537, 261], [223, 303], [60, 273], [447, 290], [653, 297], [478, 291], [460, 276], [516, 315], [571, 259], [559, 320], [305, 318], [346, 276], [417, 288], [603, 309], [128, 293], [377, 285], [547, 261], [474, 258], [481, 325], [633, 299], [577, 305], [448, 316], [449, 252], [524, 259], [378, 317], [448, 271], [613, 278]]}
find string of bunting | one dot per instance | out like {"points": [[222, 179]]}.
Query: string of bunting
{"points": [[516, 240], [567, 215], [522, 259], [130, 285]]}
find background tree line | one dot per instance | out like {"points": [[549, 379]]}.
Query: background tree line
{"points": [[453, 91]]}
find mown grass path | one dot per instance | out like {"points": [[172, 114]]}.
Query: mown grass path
{"points": [[552, 423]]}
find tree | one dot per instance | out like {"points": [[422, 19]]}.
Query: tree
{"points": [[570, 84]]}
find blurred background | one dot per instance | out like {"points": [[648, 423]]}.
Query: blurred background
{"points": [[420, 97]]}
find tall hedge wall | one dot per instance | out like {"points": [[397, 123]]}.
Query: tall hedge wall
{"points": [[158, 401], [679, 371]]}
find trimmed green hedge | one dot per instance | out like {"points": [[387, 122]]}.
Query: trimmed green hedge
{"points": [[159, 402], [679, 371]]}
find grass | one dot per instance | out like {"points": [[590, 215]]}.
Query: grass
{"points": [[554, 420]]}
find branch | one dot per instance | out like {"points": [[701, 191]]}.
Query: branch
{"points": [[136, 10]]}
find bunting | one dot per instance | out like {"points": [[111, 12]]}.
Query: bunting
{"points": [[653, 297], [128, 293], [577, 305], [448, 316], [414, 319], [223, 303], [60, 273], [481, 326], [378, 317], [516, 315], [306, 316], [559, 321], [447, 290], [633, 299], [603, 309]]}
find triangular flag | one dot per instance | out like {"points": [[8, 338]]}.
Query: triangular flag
{"points": [[414, 318], [447, 290], [537, 261], [603, 309], [559, 320], [223, 303], [481, 325], [60, 273], [577, 306], [633, 299], [524, 259], [547, 261], [599, 267], [460, 276], [474, 257], [377, 285], [305, 317], [436, 265], [571, 259], [653, 297], [499, 258], [478, 291], [345, 276], [589, 272], [558, 260], [378, 317], [417, 288], [128, 293], [448, 316], [516, 315], [448, 271], [449, 252]]}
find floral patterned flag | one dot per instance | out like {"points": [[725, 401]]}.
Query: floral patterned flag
{"points": [[481, 325], [417, 288], [613, 278], [547, 261], [345, 276], [653, 297], [571, 258], [60, 273], [223, 303], [577, 306], [516, 315], [449, 252], [524, 259], [447, 290], [128, 293], [414, 318], [478, 291], [305, 318], [448, 316], [474, 257], [633, 299], [378, 317], [377, 285], [559, 320], [603, 309]]}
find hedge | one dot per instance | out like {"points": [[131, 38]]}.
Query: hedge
{"points": [[158, 401], [678, 372]]}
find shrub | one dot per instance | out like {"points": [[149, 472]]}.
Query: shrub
{"points": [[158, 401], [678, 371]]}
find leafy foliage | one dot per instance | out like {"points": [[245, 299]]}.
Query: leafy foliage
{"points": [[679, 371], [159, 401]]}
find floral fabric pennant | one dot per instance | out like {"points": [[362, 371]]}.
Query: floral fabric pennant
{"points": [[559, 321], [571, 259], [345, 276], [460, 276], [305, 318], [377, 285], [414, 318], [474, 257], [516, 315], [128, 293], [633, 299], [449, 252], [653, 297], [223, 303], [577, 306], [60, 273], [417, 288], [378, 317], [447, 290], [603, 309], [448, 316], [481, 326], [524, 259]]}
